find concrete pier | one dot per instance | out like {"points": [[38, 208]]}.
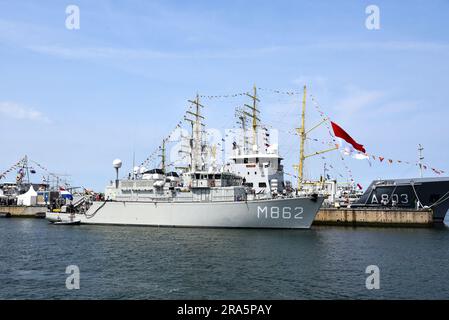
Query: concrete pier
{"points": [[23, 211], [374, 217]]}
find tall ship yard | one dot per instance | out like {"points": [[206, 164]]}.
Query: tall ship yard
{"points": [[249, 189]]}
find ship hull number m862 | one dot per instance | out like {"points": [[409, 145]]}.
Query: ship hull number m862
{"points": [[280, 213]]}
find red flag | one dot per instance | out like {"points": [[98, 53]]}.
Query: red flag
{"points": [[339, 132]]}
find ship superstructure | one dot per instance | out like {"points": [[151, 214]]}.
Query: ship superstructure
{"points": [[257, 162]]}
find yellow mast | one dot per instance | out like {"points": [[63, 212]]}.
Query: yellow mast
{"points": [[302, 136]]}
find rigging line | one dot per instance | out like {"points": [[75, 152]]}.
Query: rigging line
{"points": [[233, 95], [416, 195], [441, 199], [290, 93], [43, 168], [167, 138], [17, 164]]}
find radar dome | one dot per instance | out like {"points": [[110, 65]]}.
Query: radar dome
{"points": [[117, 163]]}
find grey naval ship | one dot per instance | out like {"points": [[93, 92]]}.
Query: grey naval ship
{"points": [[248, 191], [416, 193]]}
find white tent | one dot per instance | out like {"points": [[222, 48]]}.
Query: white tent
{"points": [[27, 199]]}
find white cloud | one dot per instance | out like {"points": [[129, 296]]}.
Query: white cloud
{"points": [[17, 111], [147, 54], [358, 100]]}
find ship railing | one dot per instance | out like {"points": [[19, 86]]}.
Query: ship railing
{"points": [[194, 199]]}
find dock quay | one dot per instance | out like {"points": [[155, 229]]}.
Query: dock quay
{"points": [[375, 217], [23, 211]]}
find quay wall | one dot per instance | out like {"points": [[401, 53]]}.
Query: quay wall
{"points": [[374, 217], [23, 211]]}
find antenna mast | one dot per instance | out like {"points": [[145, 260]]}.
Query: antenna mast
{"points": [[163, 156], [420, 159]]}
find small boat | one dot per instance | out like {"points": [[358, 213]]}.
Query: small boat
{"points": [[74, 222], [67, 219]]}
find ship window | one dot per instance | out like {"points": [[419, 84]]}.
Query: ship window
{"points": [[197, 176], [217, 176], [257, 160], [249, 184], [255, 172], [245, 160], [262, 185]]}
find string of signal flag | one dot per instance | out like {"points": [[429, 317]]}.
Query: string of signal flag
{"points": [[326, 121]]}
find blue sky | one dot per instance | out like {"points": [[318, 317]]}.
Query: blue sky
{"points": [[74, 100]]}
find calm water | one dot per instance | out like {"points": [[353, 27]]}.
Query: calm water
{"points": [[170, 263]]}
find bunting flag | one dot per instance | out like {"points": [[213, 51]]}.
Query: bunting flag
{"points": [[374, 157], [233, 95], [14, 167], [289, 93], [334, 130], [154, 154]]}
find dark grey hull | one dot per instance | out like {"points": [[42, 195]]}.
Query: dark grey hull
{"points": [[406, 193]]}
